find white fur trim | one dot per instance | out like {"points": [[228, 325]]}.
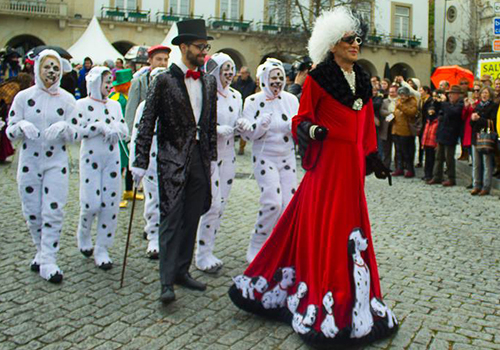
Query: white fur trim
{"points": [[328, 29]]}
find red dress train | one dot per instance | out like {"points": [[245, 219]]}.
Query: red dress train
{"points": [[320, 256]]}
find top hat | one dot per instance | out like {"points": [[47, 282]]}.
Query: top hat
{"points": [[455, 89], [123, 76], [191, 30]]}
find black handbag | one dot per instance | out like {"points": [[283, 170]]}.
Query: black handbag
{"points": [[486, 141]]}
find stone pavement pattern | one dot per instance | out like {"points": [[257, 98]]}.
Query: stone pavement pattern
{"points": [[437, 249]]}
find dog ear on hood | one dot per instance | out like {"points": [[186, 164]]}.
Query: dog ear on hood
{"points": [[351, 247], [278, 275]]}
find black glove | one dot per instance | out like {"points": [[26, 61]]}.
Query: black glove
{"points": [[304, 135], [375, 165]]}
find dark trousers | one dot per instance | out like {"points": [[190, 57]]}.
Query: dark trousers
{"points": [[420, 150], [405, 151], [129, 182], [387, 151], [178, 228], [445, 153], [430, 157]]}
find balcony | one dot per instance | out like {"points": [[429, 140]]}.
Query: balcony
{"points": [[171, 18], [271, 28], [393, 41], [229, 24], [34, 8], [125, 15]]}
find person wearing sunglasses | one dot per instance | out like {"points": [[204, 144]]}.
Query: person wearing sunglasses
{"points": [[181, 105], [322, 243]]}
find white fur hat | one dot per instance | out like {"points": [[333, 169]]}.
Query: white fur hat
{"points": [[328, 29]]}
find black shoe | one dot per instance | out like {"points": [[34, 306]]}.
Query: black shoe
{"points": [[167, 294], [189, 282], [87, 253], [106, 266], [56, 278], [35, 267], [469, 187]]}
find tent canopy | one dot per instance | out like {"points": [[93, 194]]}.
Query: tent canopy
{"points": [[94, 44], [175, 54]]}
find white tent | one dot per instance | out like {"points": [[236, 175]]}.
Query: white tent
{"points": [[94, 44], [175, 55]]}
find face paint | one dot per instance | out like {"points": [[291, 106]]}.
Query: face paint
{"points": [[107, 84], [276, 81], [50, 71], [226, 73]]}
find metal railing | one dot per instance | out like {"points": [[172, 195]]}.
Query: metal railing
{"points": [[171, 18], [229, 24], [34, 7], [125, 15], [394, 41]]}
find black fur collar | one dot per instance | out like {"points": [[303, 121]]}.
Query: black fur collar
{"points": [[330, 77]]}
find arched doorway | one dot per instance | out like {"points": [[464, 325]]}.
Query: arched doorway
{"points": [[368, 66], [402, 69], [239, 60], [24, 43], [123, 46]]}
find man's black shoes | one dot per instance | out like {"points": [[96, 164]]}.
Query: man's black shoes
{"points": [[189, 282], [167, 294]]}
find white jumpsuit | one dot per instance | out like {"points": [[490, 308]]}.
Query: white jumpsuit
{"points": [[100, 179], [43, 164], [273, 155], [229, 105], [150, 183]]}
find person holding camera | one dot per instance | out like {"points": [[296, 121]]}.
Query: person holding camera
{"points": [[448, 132], [300, 70]]}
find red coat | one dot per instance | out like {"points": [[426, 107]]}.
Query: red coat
{"points": [[312, 234]]}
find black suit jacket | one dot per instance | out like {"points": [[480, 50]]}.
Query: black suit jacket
{"points": [[168, 106]]}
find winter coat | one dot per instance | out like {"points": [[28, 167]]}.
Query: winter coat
{"points": [[450, 122], [385, 127], [404, 113], [486, 112]]}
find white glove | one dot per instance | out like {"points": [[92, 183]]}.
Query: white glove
{"points": [[29, 130], [53, 131], [243, 125], [225, 130], [112, 137], [137, 174], [2, 124], [266, 120]]}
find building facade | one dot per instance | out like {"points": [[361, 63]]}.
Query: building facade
{"points": [[463, 29], [247, 30]]}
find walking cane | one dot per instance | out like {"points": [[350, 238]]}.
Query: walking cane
{"points": [[128, 237]]}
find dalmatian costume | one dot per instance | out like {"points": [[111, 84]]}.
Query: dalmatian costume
{"points": [[270, 112], [102, 125], [150, 183], [42, 116], [229, 104]]}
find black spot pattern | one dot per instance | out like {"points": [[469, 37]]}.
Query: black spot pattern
{"points": [[262, 172], [94, 166], [262, 104], [285, 118], [32, 217], [29, 189], [286, 139], [113, 174], [53, 205], [201, 242], [74, 121], [48, 154], [46, 190], [25, 169], [60, 111], [31, 102], [63, 170], [91, 109]]}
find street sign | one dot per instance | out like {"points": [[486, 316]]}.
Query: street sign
{"points": [[496, 25], [496, 45], [497, 7]]}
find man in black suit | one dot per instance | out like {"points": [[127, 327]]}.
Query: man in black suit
{"points": [[181, 103]]}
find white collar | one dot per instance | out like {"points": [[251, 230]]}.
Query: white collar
{"points": [[183, 67]]}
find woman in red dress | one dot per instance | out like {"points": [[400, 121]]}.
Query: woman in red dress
{"points": [[317, 271]]}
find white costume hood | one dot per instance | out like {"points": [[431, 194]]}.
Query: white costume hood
{"points": [[328, 29], [65, 67], [94, 82], [212, 66], [263, 74]]}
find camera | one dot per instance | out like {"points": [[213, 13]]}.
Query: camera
{"points": [[301, 64]]}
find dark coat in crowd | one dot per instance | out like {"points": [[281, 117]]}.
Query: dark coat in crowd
{"points": [[169, 110], [487, 111], [450, 122], [245, 87], [69, 82]]}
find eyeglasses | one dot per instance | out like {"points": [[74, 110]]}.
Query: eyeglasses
{"points": [[464, 83], [202, 47], [351, 39], [476, 90]]}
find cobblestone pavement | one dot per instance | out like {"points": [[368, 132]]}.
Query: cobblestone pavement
{"points": [[437, 249]]}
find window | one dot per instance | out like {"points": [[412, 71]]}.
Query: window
{"points": [[279, 12], [128, 4], [402, 21], [230, 9], [451, 14], [180, 7], [364, 9], [451, 44]]}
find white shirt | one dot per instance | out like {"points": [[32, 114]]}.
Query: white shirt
{"points": [[194, 91]]}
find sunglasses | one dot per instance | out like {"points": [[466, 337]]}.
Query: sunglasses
{"points": [[202, 47], [476, 90], [351, 39]]}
